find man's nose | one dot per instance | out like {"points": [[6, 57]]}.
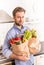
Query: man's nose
{"points": [[20, 19]]}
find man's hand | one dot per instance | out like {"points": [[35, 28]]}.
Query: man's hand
{"points": [[23, 57]]}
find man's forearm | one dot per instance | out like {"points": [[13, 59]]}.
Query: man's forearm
{"points": [[14, 56]]}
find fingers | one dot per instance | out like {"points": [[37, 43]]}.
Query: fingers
{"points": [[23, 58]]}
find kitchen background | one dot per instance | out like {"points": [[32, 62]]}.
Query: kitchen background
{"points": [[34, 18]]}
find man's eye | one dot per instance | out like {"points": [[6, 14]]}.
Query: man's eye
{"points": [[20, 17]]}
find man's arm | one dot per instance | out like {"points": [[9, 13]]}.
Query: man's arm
{"points": [[7, 52], [14, 56]]}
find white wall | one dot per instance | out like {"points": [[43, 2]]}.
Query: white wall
{"points": [[3, 31], [9, 5], [34, 8]]}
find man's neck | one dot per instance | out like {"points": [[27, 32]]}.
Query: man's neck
{"points": [[18, 26]]}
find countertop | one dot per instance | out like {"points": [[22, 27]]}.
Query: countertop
{"points": [[4, 60]]}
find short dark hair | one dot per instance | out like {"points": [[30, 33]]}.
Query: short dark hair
{"points": [[18, 9]]}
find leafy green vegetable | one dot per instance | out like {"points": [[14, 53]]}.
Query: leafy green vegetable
{"points": [[34, 33], [27, 34]]}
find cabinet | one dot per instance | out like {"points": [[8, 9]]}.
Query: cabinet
{"points": [[39, 60]]}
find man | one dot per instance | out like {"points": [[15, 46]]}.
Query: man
{"points": [[18, 28]]}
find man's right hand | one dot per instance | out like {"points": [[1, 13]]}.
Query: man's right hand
{"points": [[22, 58]]}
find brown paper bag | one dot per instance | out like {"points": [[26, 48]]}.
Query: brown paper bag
{"points": [[20, 49], [34, 45]]}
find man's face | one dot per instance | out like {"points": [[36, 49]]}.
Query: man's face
{"points": [[19, 18]]}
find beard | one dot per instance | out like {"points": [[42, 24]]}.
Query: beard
{"points": [[18, 24]]}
